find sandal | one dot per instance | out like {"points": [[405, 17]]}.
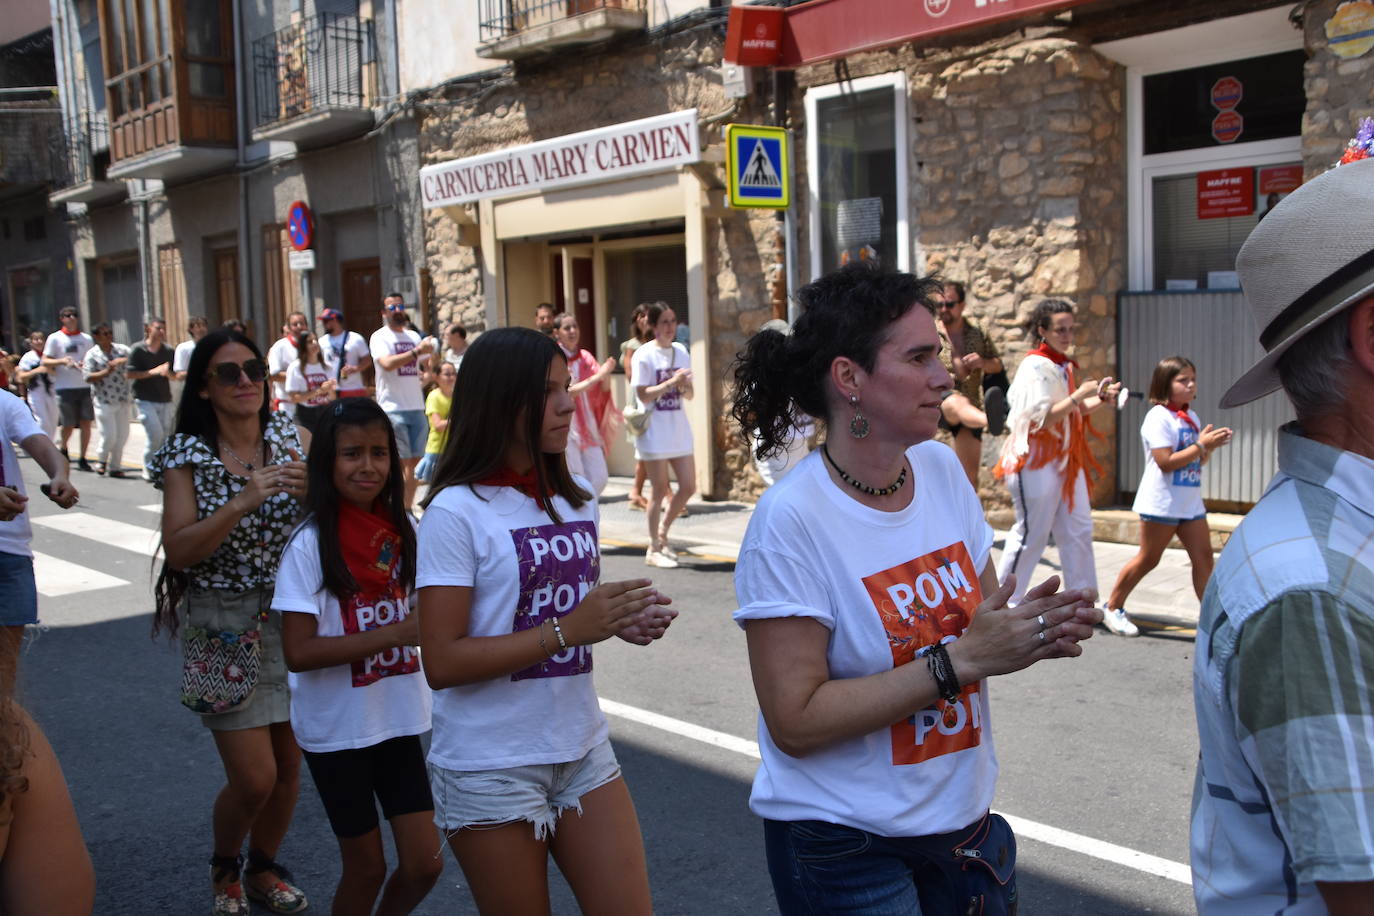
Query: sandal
{"points": [[638, 503], [229, 899], [282, 896]]}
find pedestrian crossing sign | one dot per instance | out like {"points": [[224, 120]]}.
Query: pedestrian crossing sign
{"points": [[756, 158]]}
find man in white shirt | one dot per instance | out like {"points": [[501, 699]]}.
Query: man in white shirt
{"points": [[196, 326], [281, 354], [63, 354], [349, 353], [400, 355]]}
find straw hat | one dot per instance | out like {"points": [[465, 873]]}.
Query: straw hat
{"points": [[1310, 257]]}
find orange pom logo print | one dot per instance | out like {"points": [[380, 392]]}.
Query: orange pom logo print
{"points": [[923, 602]]}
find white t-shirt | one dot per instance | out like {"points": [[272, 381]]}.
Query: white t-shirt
{"points": [[399, 388], [16, 425], [668, 434], [61, 344], [1179, 493], [40, 386], [887, 585], [181, 356], [361, 703], [522, 569], [281, 354], [307, 377], [350, 347]]}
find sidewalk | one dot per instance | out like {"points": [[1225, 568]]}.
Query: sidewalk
{"points": [[713, 530]]}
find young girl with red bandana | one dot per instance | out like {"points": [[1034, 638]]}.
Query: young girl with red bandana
{"points": [[359, 701], [1169, 499]]}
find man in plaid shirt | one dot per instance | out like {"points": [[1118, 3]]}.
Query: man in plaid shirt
{"points": [[1283, 807]]}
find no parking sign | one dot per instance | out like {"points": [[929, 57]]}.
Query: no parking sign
{"points": [[300, 227]]}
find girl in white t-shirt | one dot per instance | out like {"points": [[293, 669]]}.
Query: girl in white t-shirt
{"points": [[520, 761], [359, 702], [309, 385], [662, 378], [873, 616], [1169, 499]]}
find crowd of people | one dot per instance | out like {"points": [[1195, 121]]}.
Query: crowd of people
{"points": [[319, 621]]}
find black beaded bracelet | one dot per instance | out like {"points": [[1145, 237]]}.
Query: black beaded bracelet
{"points": [[946, 681]]}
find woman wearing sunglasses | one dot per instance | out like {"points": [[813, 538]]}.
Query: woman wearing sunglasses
{"points": [[232, 481]]}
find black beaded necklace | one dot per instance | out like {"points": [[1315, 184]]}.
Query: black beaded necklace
{"points": [[863, 487]]}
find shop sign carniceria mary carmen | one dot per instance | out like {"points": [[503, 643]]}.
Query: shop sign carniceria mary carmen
{"points": [[606, 153]]}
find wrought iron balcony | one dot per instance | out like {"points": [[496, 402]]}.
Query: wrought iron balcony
{"points": [[512, 29], [315, 79], [81, 153]]}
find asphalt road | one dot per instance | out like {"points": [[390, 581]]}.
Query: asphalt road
{"points": [[1100, 747]]}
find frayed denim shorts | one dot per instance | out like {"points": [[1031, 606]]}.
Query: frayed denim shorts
{"points": [[539, 793]]}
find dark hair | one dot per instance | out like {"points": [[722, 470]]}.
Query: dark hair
{"points": [[845, 313], [299, 341], [458, 329], [958, 290], [1161, 383], [196, 417], [546, 305], [153, 319], [655, 311], [197, 320], [322, 500], [1042, 314], [69, 310], [503, 385], [394, 295], [102, 328], [642, 335]]}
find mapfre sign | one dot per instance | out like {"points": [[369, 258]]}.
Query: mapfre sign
{"points": [[632, 148]]}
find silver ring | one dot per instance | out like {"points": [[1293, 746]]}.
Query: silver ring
{"points": [[1041, 634], [1040, 619]]}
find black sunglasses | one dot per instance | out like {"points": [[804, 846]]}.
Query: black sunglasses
{"points": [[228, 373]]}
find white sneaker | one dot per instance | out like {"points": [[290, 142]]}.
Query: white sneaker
{"points": [[1115, 619], [667, 551], [655, 558]]}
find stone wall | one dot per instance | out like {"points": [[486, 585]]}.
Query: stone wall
{"points": [[1339, 91], [1018, 189], [744, 272]]}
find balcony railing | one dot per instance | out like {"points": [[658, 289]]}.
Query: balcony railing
{"points": [[83, 139], [504, 18], [321, 63]]}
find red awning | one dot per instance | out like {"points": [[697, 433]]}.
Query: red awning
{"points": [[826, 29]]}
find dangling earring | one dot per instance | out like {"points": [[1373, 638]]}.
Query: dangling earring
{"points": [[858, 425]]}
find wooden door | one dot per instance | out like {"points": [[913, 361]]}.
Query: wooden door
{"points": [[226, 285], [361, 282]]}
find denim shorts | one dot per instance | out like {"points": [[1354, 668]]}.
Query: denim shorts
{"points": [[20, 604], [412, 431], [539, 793], [425, 468], [819, 867], [1166, 520]]}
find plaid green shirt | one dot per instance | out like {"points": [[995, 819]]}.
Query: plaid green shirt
{"points": [[1284, 692], [975, 341]]}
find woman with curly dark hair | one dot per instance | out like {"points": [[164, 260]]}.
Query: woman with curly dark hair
{"points": [[231, 480], [873, 617]]}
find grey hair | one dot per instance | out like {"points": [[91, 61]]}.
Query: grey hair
{"points": [[1314, 370]]}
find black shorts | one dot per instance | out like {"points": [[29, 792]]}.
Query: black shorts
{"points": [[393, 771], [955, 428], [74, 406]]}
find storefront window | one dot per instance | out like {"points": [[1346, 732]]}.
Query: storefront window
{"points": [[638, 275], [857, 171], [1239, 101]]}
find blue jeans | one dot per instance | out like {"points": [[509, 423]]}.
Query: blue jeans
{"points": [[157, 419], [822, 868], [19, 605]]}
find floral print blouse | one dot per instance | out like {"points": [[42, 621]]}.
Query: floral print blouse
{"points": [[113, 388], [249, 556]]}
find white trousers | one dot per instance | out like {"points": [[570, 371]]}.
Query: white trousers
{"points": [[44, 409], [1041, 511], [113, 420], [589, 463]]}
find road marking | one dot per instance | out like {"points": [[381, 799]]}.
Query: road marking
{"points": [[107, 531], [56, 577], [152, 507], [1044, 833]]}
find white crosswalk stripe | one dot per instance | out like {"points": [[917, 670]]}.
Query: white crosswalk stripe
{"points": [[105, 530], [56, 577]]}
